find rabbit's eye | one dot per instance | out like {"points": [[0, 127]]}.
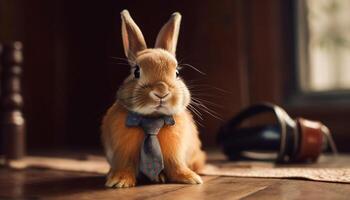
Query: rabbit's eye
{"points": [[137, 72], [177, 73]]}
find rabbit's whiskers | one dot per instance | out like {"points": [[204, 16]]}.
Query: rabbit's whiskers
{"points": [[192, 67], [199, 105]]}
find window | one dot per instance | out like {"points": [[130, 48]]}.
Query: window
{"points": [[324, 45]]}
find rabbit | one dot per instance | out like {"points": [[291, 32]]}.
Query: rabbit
{"points": [[153, 88]]}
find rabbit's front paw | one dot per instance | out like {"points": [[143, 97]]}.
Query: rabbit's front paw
{"points": [[121, 180], [186, 176]]}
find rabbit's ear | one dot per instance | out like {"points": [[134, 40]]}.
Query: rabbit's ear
{"points": [[167, 37], [132, 36]]}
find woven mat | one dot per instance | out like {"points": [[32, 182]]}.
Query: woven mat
{"points": [[98, 165], [339, 175]]}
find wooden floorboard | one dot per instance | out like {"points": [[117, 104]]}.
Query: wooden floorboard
{"points": [[219, 188], [50, 184], [299, 189]]}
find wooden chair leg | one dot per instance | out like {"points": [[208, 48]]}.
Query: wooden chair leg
{"points": [[12, 123]]}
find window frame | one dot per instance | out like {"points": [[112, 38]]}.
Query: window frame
{"points": [[299, 97]]}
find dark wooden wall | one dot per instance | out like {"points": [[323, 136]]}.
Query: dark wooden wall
{"points": [[246, 48]]}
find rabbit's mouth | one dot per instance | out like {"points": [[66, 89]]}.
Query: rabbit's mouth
{"points": [[160, 103], [161, 108]]}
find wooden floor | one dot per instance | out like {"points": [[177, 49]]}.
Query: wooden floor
{"points": [[49, 184]]}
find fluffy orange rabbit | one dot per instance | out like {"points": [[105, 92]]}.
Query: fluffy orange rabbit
{"points": [[153, 88]]}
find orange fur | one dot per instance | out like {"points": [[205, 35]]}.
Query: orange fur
{"points": [[179, 143], [156, 90]]}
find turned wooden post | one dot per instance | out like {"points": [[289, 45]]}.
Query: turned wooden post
{"points": [[12, 124], [1, 137]]}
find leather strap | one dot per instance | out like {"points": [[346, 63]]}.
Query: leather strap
{"points": [[287, 127], [297, 140]]}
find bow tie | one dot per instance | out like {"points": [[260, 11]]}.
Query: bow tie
{"points": [[151, 163]]}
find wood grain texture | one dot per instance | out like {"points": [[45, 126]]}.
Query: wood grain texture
{"points": [[53, 184], [284, 189], [50, 184], [328, 168]]}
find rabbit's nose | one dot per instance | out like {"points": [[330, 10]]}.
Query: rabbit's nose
{"points": [[161, 87], [159, 96], [160, 91]]}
